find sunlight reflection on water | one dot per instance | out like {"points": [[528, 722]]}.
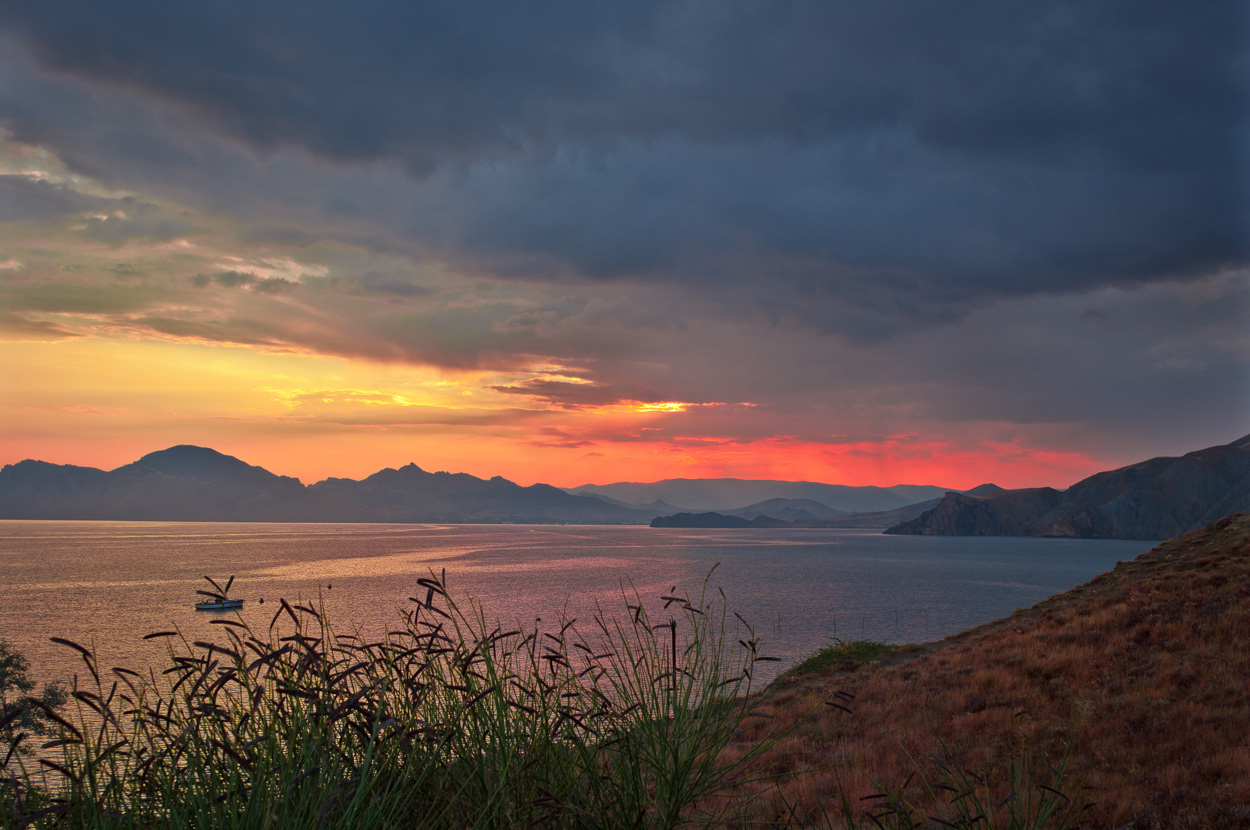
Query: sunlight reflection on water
{"points": [[108, 583]]}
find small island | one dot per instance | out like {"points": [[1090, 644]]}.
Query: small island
{"points": [[713, 520]]}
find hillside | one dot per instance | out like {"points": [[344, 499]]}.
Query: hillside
{"points": [[1144, 668], [1155, 499]]}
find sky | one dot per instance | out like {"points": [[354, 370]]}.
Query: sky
{"points": [[586, 242]]}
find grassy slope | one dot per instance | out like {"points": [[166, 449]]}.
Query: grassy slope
{"points": [[1146, 668]]}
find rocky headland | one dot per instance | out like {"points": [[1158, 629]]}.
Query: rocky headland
{"points": [[1156, 499]]}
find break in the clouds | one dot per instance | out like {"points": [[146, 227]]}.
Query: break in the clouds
{"points": [[863, 219]]}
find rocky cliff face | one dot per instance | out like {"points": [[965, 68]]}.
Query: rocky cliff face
{"points": [[1156, 499], [1012, 513]]}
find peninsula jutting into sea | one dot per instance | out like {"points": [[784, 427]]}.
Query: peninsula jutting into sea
{"points": [[1155, 499]]}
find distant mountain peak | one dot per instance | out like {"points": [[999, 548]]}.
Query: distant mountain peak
{"points": [[196, 462], [986, 489], [187, 452], [407, 472]]}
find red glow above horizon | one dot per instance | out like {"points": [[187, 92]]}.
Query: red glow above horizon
{"points": [[104, 404], [356, 456]]}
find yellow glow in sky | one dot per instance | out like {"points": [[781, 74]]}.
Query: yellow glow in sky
{"points": [[105, 403]]}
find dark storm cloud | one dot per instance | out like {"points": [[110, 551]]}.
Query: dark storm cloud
{"points": [[864, 166], [27, 199], [48, 291], [244, 279], [23, 199], [143, 222], [277, 234], [570, 395], [375, 282]]}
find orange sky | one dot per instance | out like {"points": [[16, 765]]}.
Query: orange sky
{"points": [[104, 403]]}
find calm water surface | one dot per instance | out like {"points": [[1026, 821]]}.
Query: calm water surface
{"points": [[108, 583]]}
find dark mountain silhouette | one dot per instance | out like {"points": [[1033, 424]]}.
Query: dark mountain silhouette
{"points": [[411, 494], [715, 520], [178, 484], [1159, 498], [985, 490], [188, 483], [201, 463], [39, 490], [1156, 499]]}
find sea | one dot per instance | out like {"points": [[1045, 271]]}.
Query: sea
{"points": [[107, 584]]}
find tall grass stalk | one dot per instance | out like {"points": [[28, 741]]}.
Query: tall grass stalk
{"points": [[445, 721]]}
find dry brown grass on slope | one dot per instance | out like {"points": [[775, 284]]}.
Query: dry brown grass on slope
{"points": [[1146, 668]]}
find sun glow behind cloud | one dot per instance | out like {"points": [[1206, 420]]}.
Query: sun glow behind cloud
{"points": [[872, 289], [104, 403]]}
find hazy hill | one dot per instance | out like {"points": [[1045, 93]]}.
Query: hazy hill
{"points": [[789, 510], [1155, 499], [879, 519], [187, 483], [724, 495], [659, 507]]}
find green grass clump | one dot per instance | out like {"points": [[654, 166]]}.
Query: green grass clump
{"points": [[444, 722], [844, 655]]}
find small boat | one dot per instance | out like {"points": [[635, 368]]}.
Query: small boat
{"points": [[217, 600], [218, 604]]}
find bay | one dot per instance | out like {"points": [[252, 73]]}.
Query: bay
{"points": [[106, 584]]}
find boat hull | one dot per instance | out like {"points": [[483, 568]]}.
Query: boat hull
{"points": [[219, 605]]}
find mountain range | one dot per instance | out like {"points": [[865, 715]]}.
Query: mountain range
{"points": [[188, 483], [1156, 499], [723, 494]]}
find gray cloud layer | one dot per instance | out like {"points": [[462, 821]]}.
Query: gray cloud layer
{"points": [[976, 148], [869, 171]]}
